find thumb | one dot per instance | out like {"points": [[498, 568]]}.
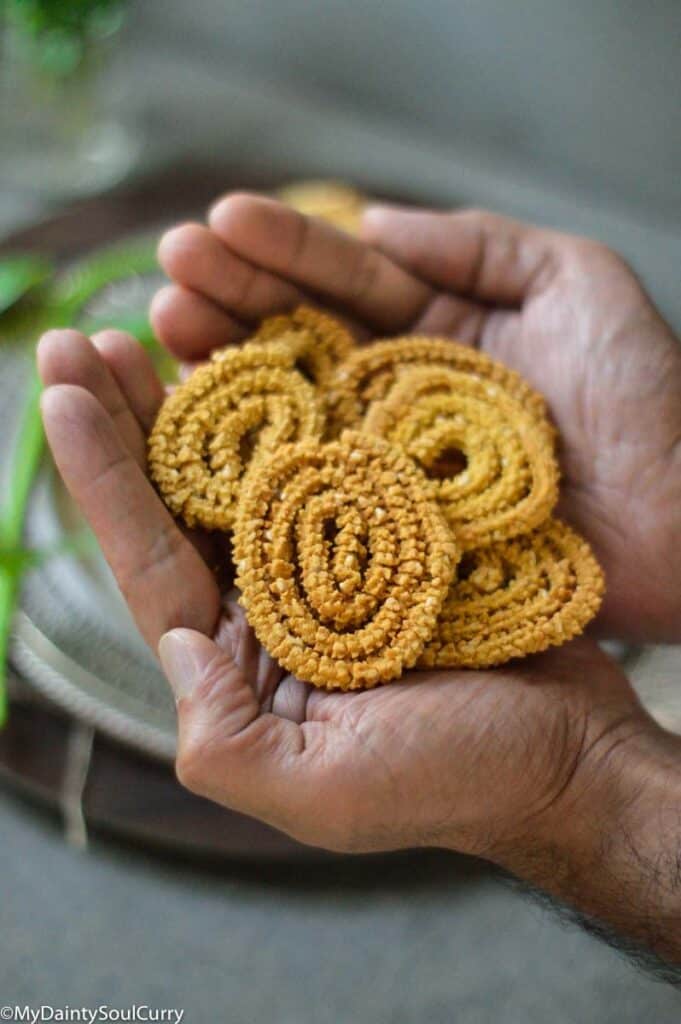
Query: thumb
{"points": [[228, 750]]}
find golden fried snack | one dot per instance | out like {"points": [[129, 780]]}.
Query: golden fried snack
{"points": [[491, 468], [318, 341], [368, 374], [343, 560], [517, 598], [332, 201], [241, 405]]}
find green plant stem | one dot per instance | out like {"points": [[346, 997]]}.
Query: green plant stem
{"points": [[26, 459]]}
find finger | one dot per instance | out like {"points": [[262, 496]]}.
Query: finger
{"points": [[261, 672], [133, 370], [480, 255], [320, 259], [195, 257], [227, 750], [68, 357], [290, 699], [190, 325], [452, 317], [163, 578]]}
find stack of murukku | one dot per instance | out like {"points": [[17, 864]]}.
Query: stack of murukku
{"points": [[389, 506]]}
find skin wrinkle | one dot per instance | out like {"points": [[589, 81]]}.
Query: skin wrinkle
{"points": [[167, 545], [299, 244], [364, 276], [249, 280], [420, 310], [102, 475], [467, 329], [490, 253], [354, 839]]}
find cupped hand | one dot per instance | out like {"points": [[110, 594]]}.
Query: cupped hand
{"points": [[467, 759], [479, 761], [475, 760], [564, 311]]}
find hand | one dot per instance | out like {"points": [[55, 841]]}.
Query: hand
{"points": [[475, 760], [566, 312], [528, 765], [102, 397]]}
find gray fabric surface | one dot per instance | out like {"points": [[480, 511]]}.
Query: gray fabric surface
{"points": [[427, 939]]}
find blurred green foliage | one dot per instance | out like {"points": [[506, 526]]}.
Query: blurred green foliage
{"points": [[36, 299], [55, 35]]}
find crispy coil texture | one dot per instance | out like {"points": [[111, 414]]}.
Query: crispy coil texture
{"points": [[368, 374], [516, 598], [343, 560], [241, 405], [318, 341], [491, 468]]}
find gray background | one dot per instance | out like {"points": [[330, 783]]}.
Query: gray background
{"points": [[565, 113]]}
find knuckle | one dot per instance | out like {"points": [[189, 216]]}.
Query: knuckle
{"points": [[592, 250], [473, 213], [365, 276], [190, 766]]}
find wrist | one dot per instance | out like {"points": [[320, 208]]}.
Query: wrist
{"points": [[611, 844]]}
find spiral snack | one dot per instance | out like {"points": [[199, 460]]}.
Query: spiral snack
{"points": [[333, 201], [242, 404], [318, 341], [491, 468], [343, 560], [368, 374], [516, 598]]}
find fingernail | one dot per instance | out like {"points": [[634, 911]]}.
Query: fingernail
{"points": [[184, 655]]}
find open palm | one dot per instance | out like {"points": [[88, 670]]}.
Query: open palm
{"points": [[341, 770]]}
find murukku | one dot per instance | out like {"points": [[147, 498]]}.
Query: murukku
{"points": [[516, 598], [343, 560], [491, 468], [244, 403], [367, 375], [333, 201], [318, 341]]}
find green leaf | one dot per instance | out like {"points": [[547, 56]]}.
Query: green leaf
{"points": [[20, 274], [72, 292]]}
